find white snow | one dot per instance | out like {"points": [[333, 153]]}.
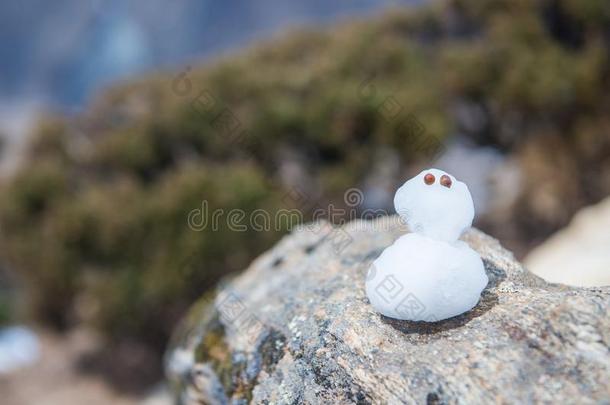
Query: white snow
{"points": [[419, 278], [435, 210], [429, 275]]}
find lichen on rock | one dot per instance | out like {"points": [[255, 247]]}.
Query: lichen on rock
{"points": [[296, 327]]}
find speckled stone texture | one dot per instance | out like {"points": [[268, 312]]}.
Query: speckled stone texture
{"points": [[296, 327]]}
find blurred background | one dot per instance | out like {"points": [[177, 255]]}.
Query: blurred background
{"points": [[119, 118]]}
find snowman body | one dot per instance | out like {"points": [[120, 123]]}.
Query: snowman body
{"points": [[429, 275]]}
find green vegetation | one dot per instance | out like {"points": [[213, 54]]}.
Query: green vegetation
{"points": [[95, 221]]}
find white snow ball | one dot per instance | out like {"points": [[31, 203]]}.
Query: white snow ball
{"points": [[421, 279], [435, 204]]}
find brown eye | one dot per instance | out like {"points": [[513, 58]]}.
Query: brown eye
{"points": [[446, 181], [429, 179]]}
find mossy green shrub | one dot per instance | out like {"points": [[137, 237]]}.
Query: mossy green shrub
{"points": [[95, 222]]}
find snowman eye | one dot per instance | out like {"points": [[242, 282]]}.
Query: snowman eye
{"points": [[446, 181], [429, 179]]}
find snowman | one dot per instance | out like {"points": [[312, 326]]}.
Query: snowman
{"points": [[429, 275]]}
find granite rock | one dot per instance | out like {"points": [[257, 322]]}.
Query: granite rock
{"points": [[296, 327]]}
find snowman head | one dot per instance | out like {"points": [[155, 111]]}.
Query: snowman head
{"points": [[435, 204]]}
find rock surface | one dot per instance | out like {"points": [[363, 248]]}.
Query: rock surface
{"points": [[296, 327], [579, 254]]}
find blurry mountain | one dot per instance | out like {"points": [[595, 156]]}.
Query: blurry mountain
{"points": [[58, 52]]}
